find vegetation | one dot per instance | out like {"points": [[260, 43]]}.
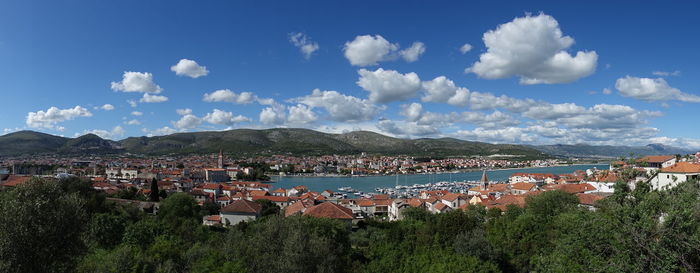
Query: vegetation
{"points": [[249, 142], [63, 226], [607, 151]]}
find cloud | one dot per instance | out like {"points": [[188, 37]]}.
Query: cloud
{"points": [[465, 48], [183, 112], [412, 53], [496, 119], [226, 95], [406, 129], [304, 43], [388, 85], [189, 68], [160, 131], [502, 135], [10, 130], [532, 48], [441, 89], [273, 115], [341, 107], [133, 103], [412, 111], [651, 90], [187, 121], [301, 114], [107, 107], [113, 134], [599, 116], [666, 73], [132, 122], [136, 113], [607, 91], [52, 116], [148, 98], [220, 117], [368, 50], [137, 82]]}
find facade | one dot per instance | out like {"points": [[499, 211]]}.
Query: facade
{"points": [[240, 211], [678, 173], [215, 175], [656, 162]]}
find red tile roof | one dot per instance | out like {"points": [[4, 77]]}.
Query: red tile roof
{"points": [[656, 158], [522, 186], [243, 206], [15, 180], [214, 218], [441, 206], [365, 203], [329, 210], [297, 207], [682, 167], [588, 199], [258, 193], [415, 202], [451, 196], [272, 198]]}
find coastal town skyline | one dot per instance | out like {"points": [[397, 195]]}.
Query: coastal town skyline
{"points": [[422, 72]]}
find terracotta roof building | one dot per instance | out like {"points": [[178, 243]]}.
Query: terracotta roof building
{"points": [[239, 211], [329, 210]]}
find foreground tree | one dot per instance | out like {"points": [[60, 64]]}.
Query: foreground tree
{"points": [[155, 194], [40, 228]]}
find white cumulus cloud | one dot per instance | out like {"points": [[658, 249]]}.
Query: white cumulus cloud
{"points": [[341, 107], [132, 122], [49, 118], [412, 111], [159, 131], [652, 90], [412, 53], [226, 95], [107, 107], [273, 115], [221, 117], [189, 68], [148, 98], [465, 48], [113, 134], [367, 50], [137, 82], [534, 49], [388, 85], [301, 114], [304, 43]]}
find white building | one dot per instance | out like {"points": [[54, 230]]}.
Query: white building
{"points": [[239, 211], [678, 173], [655, 162]]}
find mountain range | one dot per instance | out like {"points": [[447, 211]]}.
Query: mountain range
{"points": [[251, 142]]}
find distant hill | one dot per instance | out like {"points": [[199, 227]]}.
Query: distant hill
{"points": [[606, 151], [30, 142], [249, 142]]}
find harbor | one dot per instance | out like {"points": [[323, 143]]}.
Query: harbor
{"points": [[413, 183]]}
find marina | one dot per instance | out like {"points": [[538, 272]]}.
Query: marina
{"points": [[413, 183]]}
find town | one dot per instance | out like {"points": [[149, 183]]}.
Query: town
{"points": [[238, 188]]}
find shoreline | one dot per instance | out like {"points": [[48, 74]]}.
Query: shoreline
{"points": [[457, 172]]}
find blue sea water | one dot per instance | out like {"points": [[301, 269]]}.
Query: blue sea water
{"points": [[369, 183]]}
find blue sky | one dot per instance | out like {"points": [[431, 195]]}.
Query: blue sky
{"points": [[538, 72]]}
